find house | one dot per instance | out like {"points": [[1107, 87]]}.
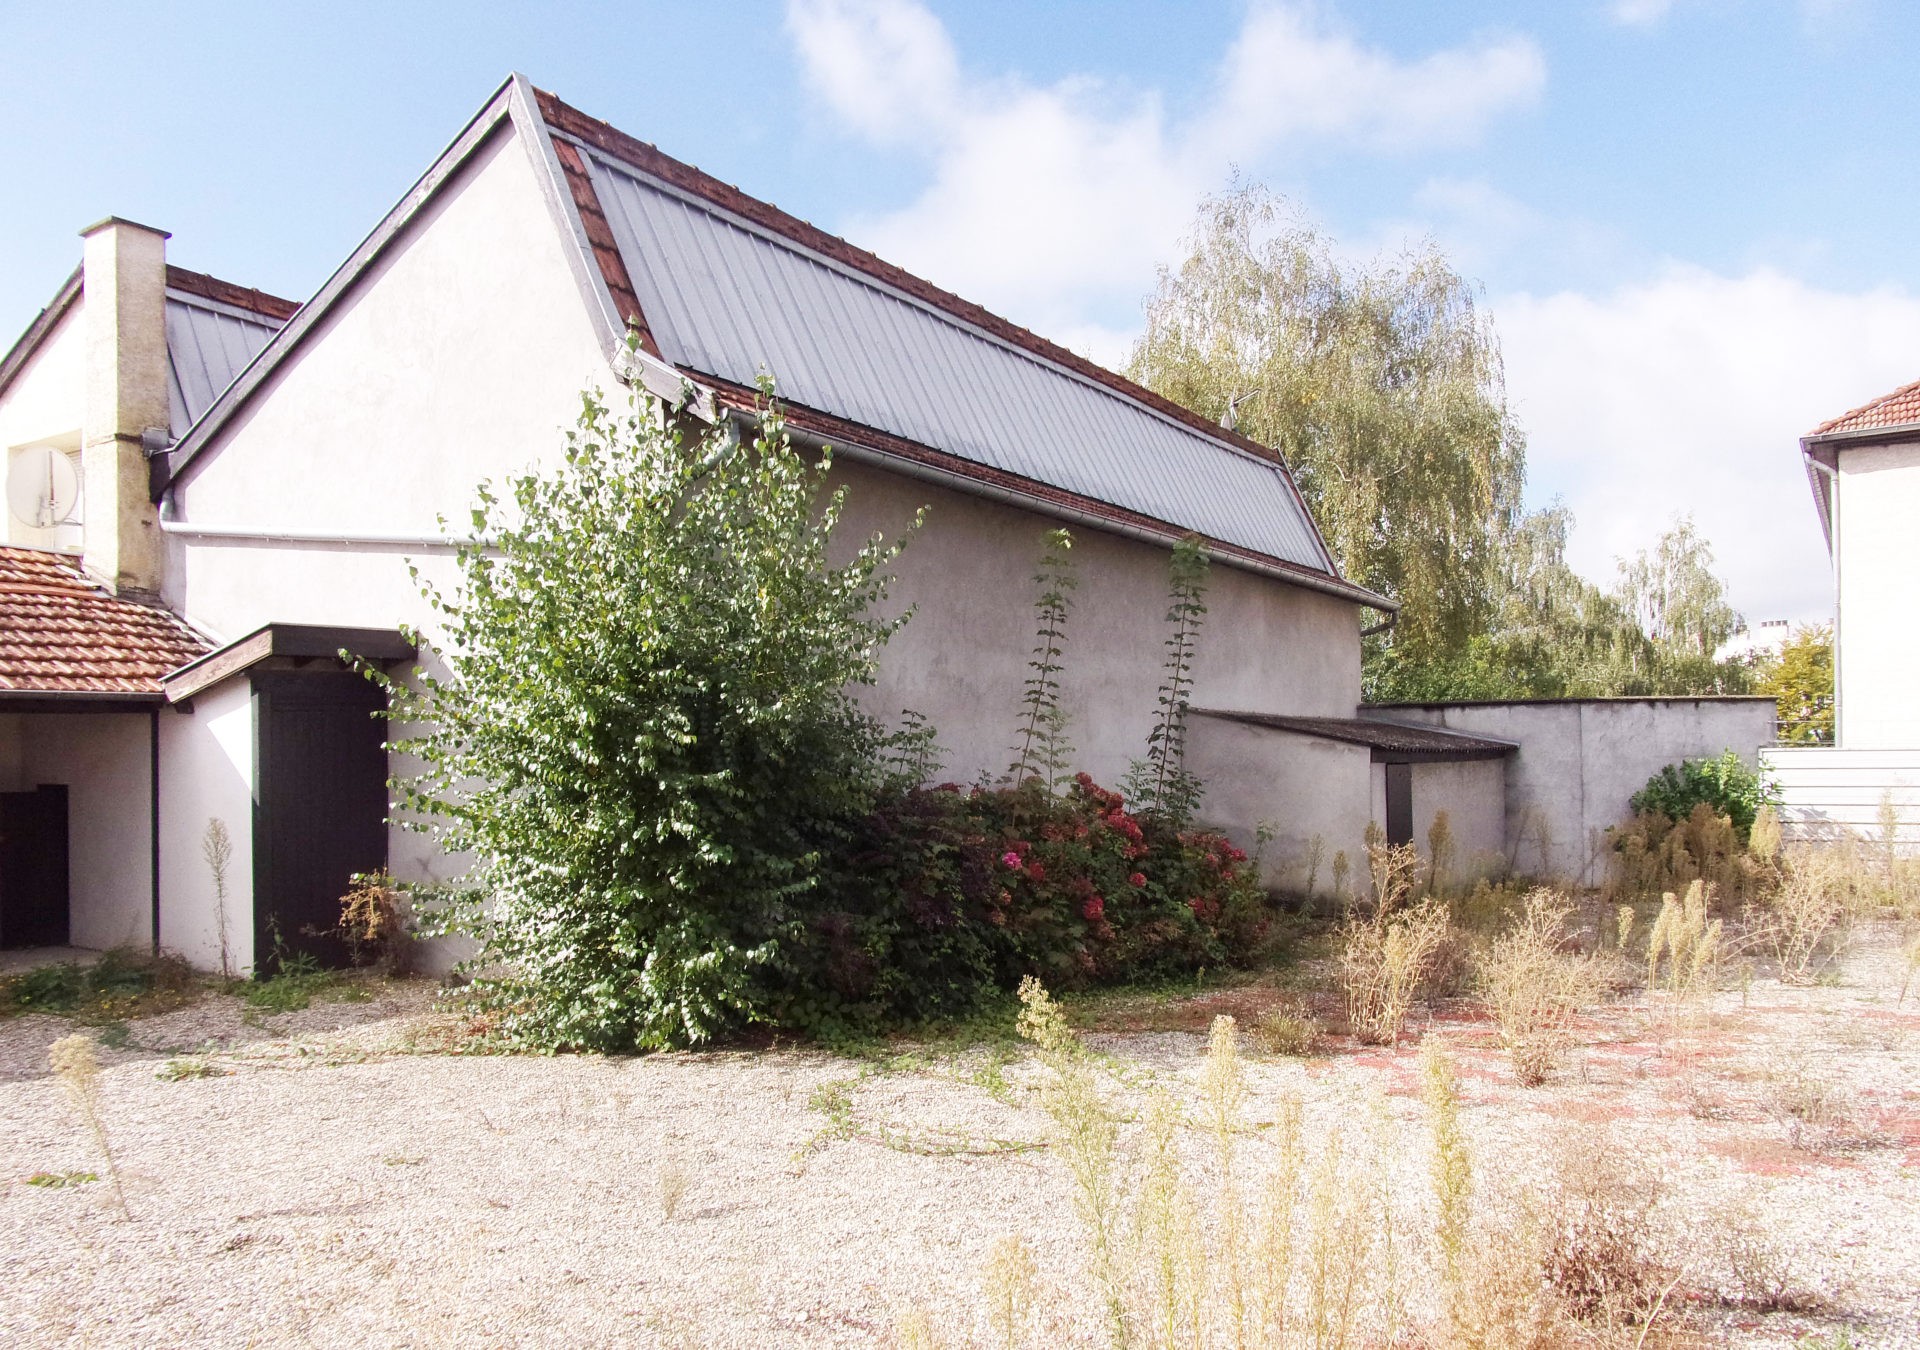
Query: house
{"points": [[544, 253], [1864, 469], [127, 353]]}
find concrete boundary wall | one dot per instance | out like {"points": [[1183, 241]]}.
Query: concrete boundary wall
{"points": [[1824, 789], [1581, 759]]}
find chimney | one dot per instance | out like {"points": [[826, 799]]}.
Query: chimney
{"points": [[124, 312]]}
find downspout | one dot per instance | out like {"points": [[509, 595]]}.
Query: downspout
{"points": [[1831, 472], [153, 816]]}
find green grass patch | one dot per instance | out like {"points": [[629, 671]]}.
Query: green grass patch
{"points": [[122, 984]]}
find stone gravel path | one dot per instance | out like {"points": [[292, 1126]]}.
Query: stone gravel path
{"points": [[333, 1185]]}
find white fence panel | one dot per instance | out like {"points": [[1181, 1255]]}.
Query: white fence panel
{"points": [[1823, 788]]}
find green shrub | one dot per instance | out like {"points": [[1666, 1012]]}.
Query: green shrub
{"points": [[646, 734], [949, 897], [1724, 783]]}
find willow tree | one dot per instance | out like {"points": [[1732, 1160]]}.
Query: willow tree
{"points": [[1382, 384]]}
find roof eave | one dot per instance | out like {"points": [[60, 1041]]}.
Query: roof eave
{"points": [[17, 700], [478, 130], [43, 323]]}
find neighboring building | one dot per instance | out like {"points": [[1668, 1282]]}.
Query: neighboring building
{"points": [[129, 351], [1864, 468]]}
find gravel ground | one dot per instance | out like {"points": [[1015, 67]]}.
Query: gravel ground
{"points": [[338, 1183]]}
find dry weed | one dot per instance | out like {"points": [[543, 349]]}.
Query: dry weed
{"points": [[1288, 1032], [1817, 1114], [1757, 1270], [1010, 1290], [75, 1064], [1385, 962], [1535, 986], [1604, 1259], [675, 1179], [1084, 1131], [1690, 943], [1395, 871], [1806, 912]]}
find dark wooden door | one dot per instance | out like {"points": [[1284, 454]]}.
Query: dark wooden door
{"points": [[1399, 803], [320, 817], [33, 868]]}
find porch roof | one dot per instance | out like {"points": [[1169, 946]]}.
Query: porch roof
{"points": [[64, 638], [1389, 742]]}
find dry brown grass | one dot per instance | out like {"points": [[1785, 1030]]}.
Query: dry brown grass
{"points": [[1327, 1254]]}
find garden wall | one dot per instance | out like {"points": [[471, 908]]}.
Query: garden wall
{"points": [[1581, 759]]}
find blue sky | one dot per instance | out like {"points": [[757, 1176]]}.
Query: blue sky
{"points": [[1692, 219]]}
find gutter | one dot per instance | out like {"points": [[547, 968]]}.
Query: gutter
{"points": [[230, 534]]}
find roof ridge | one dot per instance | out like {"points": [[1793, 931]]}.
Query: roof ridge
{"points": [[230, 293], [648, 158]]}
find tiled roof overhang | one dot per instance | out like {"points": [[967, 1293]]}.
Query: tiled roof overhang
{"points": [[1888, 419], [1387, 742], [65, 639]]}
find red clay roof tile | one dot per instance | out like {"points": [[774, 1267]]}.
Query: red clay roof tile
{"points": [[60, 632], [1890, 410]]}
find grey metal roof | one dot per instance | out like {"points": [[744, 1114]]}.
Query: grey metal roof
{"points": [[208, 343], [1389, 741], [725, 297]]}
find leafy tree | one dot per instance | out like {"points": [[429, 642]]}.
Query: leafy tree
{"points": [[645, 737], [1382, 385], [1557, 635], [1677, 600], [1800, 679]]}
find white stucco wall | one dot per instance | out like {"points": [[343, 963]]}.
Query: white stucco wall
{"points": [[1580, 760], [1473, 794], [1877, 564], [43, 406], [459, 357], [105, 760], [1264, 646], [206, 773], [1303, 787]]}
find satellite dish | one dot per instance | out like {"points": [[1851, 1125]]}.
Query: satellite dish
{"points": [[42, 487]]}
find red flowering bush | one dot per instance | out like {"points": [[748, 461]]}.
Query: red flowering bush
{"points": [[950, 893]]}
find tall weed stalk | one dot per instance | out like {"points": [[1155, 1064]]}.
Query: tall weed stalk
{"points": [[1042, 749]]}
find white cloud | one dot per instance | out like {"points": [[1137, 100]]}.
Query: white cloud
{"points": [[1689, 393], [1056, 202], [1286, 78], [888, 69]]}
